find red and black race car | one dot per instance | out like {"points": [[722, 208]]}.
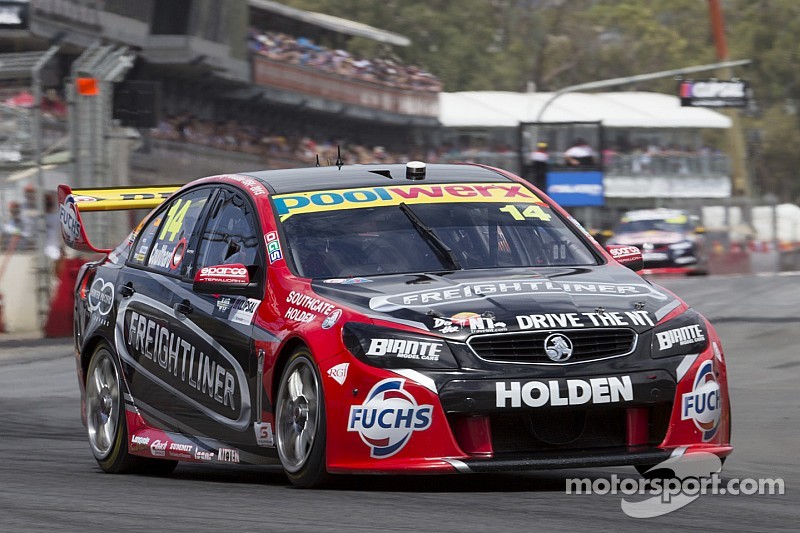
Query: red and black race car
{"points": [[381, 319], [671, 241]]}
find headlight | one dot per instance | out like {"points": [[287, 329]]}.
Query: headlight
{"points": [[683, 245], [683, 335], [391, 348]]}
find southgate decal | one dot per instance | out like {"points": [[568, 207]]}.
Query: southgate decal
{"points": [[287, 205], [307, 308], [476, 290], [703, 405], [578, 392], [388, 418]]}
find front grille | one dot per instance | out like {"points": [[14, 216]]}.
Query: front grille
{"points": [[551, 429], [528, 347], [571, 428]]}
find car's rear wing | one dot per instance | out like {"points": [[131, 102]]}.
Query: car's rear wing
{"points": [[71, 203]]}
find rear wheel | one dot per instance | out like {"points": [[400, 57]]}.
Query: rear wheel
{"points": [[300, 422], [105, 420]]}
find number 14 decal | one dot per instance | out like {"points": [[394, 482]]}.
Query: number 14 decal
{"points": [[174, 222], [532, 211]]}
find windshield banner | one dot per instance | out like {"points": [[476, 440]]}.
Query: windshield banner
{"points": [[334, 200]]}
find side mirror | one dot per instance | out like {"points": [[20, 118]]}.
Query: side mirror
{"points": [[628, 256], [221, 279]]}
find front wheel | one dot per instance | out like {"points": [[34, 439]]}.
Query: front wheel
{"points": [[105, 420], [300, 422]]}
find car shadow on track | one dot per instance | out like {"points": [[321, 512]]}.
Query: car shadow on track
{"points": [[541, 481]]}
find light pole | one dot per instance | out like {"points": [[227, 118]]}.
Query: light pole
{"points": [[613, 82]]}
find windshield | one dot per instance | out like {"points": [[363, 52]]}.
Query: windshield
{"points": [[673, 225], [338, 240]]}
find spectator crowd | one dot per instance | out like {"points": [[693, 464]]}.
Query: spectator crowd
{"points": [[305, 52], [233, 136]]}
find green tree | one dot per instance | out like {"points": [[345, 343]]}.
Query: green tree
{"points": [[507, 44]]}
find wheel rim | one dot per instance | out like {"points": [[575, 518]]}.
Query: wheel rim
{"points": [[102, 405], [297, 415]]}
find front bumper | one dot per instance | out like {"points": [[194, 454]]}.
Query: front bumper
{"points": [[474, 421], [668, 261]]}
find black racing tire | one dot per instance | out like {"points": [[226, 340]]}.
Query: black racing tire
{"points": [[300, 423], [105, 420]]}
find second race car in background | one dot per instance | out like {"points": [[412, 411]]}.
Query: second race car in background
{"points": [[671, 240]]}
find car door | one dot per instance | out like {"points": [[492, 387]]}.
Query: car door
{"points": [[228, 237], [158, 351]]}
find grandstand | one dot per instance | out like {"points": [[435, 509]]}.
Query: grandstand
{"points": [[253, 84], [240, 88], [243, 85], [260, 84]]}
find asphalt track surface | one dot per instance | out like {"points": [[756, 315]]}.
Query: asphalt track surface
{"points": [[50, 482]]}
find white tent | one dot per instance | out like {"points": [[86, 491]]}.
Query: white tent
{"points": [[615, 109]]}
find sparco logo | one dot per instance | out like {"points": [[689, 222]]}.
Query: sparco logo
{"points": [[558, 347], [388, 417], [624, 251], [224, 271], [224, 274], [579, 392], [680, 336]]}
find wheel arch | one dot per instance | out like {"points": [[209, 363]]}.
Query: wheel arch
{"points": [[89, 347], [285, 352]]}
